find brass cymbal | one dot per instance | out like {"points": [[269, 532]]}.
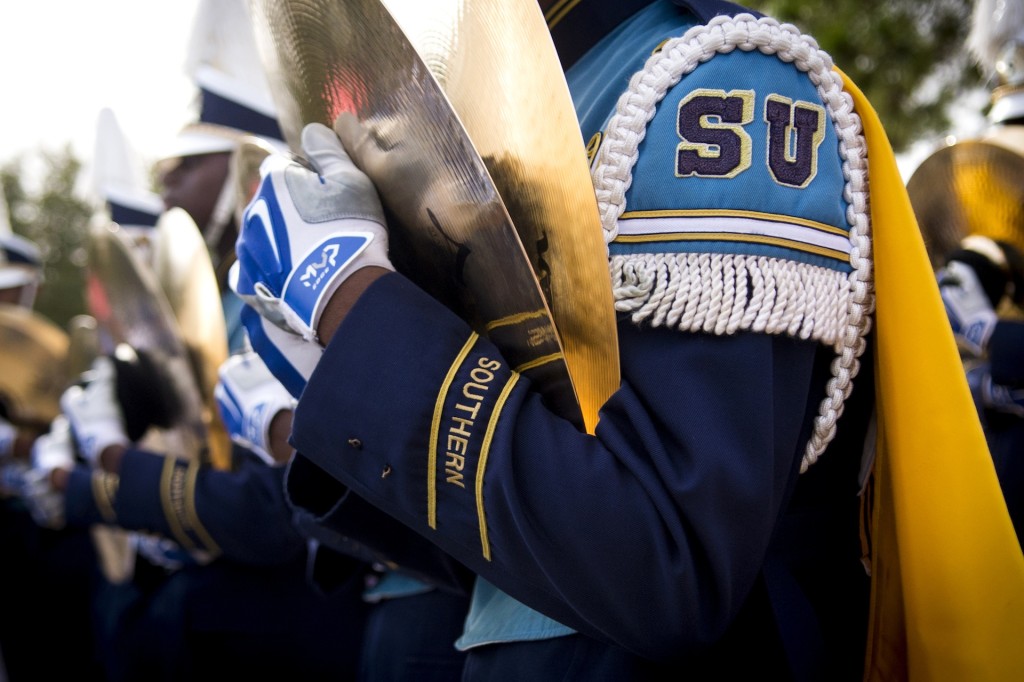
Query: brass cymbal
{"points": [[501, 226], [131, 308], [33, 370], [497, 64], [84, 344], [186, 275], [974, 187], [245, 169]]}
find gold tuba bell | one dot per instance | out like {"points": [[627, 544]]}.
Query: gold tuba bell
{"points": [[971, 187]]}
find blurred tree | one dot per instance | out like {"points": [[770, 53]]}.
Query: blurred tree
{"points": [[907, 56], [56, 219]]}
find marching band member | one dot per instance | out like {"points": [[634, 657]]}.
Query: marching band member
{"points": [[682, 535]]}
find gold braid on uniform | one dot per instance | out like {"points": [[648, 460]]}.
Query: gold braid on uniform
{"points": [[177, 497], [104, 492]]}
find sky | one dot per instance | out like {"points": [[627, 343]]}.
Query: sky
{"points": [[62, 61]]}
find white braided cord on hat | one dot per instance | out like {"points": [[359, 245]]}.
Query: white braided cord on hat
{"points": [[708, 292]]}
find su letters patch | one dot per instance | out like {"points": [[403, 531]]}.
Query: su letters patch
{"points": [[712, 125]]}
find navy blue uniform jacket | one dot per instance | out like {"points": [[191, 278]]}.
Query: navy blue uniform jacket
{"points": [[238, 514], [650, 534]]}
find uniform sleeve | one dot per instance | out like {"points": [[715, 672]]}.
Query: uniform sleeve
{"points": [[89, 497], [1005, 356], [238, 514], [665, 513], [325, 511]]}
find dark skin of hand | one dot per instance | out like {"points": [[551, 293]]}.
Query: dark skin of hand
{"points": [[343, 300]]}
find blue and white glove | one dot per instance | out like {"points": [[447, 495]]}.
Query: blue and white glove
{"points": [[970, 312], [52, 450], [165, 553], [305, 231], [12, 477], [96, 418], [994, 396], [8, 434], [249, 397], [290, 358]]}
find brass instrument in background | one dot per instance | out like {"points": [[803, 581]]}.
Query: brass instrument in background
{"points": [[245, 169], [165, 321], [83, 344], [464, 123], [972, 187], [170, 315], [33, 367], [188, 280]]}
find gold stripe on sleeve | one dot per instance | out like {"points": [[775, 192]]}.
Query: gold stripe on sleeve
{"points": [[190, 509], [104, 491], [435, 429], [481, 467], [558, 11], [170, 498]]}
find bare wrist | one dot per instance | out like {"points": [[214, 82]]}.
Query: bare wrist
{"points": [[59, 478], [343, 300], [111, 457], [280, 430]]}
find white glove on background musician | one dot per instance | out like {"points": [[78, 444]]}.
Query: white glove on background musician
{"points": [[51, 451], [249, 397], [97, 421], [971, 314], [164, 552], [993, 396]]}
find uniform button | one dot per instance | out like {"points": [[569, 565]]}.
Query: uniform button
{"points": [[355, 443], [386, 472]]}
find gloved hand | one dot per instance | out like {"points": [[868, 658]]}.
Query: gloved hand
{"points": [[12, 477], [52, 450], [8, 434], [164, 552], [993, 396], [289, 358], [248, 397], [97, 421], [306, 231], [970, 308]]}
